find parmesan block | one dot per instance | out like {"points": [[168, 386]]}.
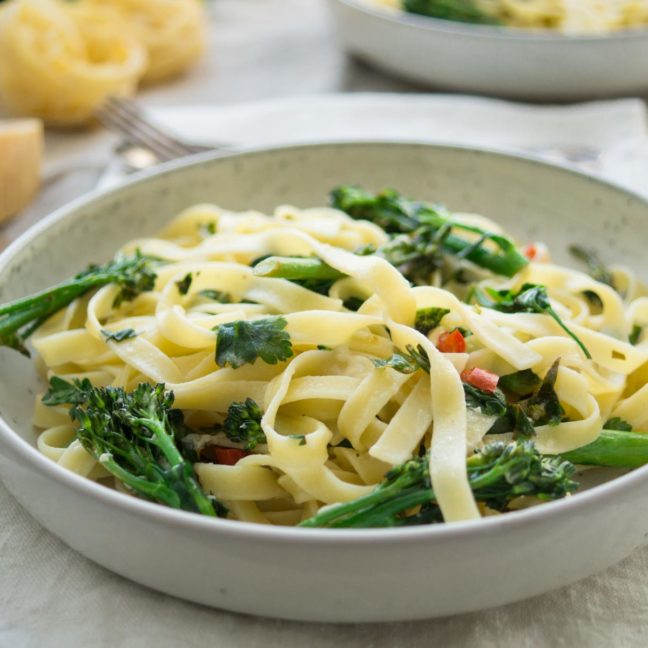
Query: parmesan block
{"points": [[21, 149]]}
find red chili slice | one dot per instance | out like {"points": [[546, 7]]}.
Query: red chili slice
{"points": [[452, 342], [480, 378], [224, 456], [530, 251]]}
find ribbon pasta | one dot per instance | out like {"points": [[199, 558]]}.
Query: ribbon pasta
{"points": [[60, 60], [333, 420], [569, 16]]}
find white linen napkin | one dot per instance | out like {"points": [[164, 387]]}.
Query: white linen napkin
{"points": [[606, 138]]}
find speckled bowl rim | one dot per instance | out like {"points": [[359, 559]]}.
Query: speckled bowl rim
{"points": [[235, 529], [427, 23]]}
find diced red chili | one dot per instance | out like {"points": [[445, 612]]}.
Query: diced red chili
{"points": [[452, 342], [224, 456], [480, 378], [530, 251]]}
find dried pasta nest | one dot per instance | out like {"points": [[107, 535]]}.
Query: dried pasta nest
{"points": [[60, 63], [60, 60], [173, 32]]}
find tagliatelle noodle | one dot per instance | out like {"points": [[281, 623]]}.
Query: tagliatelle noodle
{"points": [[569, 16], [334, 421]]}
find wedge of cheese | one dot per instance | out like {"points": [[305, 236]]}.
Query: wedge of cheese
{"points": [[21, 152]]}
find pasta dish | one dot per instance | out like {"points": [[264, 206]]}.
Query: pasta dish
{"points": [[569, 16], [378, 362]]}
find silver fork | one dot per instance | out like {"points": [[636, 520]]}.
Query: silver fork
{"points": [[144, 144]]}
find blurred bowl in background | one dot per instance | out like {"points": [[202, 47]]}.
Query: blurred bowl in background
{"points": [[501, 61]]}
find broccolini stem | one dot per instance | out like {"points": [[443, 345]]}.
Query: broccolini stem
{"points": [[498, 474], [296, 269], [397, 215], [614, 449], [165, 441], [21, 317], [155, 491]]}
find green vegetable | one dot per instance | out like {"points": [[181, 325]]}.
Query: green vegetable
{"points": [[216, 295], [428, 319], [540, 406], [131, 435], [618, 424], [20, 318], [520, 383], [497, 475], [243, 341], [243, 424], [185, 284], [531, 298], [613, 448], [407, 361], [457, 10], [119, 336], [635, 334], [595, 266], [490, 403], [296, 269], [432, 232]]}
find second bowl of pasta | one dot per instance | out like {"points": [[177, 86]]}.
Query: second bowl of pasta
{"points": [[547, 50]]}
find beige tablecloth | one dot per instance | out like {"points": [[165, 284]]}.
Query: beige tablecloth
{"points": [[51, 596]]}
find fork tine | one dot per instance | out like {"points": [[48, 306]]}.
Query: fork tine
{"points": [[131, 113], [133, 134]]}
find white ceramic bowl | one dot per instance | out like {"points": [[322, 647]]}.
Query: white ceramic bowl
{"points": [[329, 574], [490, 60]]}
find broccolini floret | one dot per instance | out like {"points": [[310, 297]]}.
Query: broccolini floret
{"points": [[243, 424], [498, 474], [131, 435]]}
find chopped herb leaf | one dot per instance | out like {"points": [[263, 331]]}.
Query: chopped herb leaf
{"points": [[542, 407], [298, 437], [635, 334], [619, 424], [521, 383], [118, 336], [184, 284], [242, 342], [596, 267], [353, 303], [490, 403], [323, 347], [216, 295], [207, 229]]}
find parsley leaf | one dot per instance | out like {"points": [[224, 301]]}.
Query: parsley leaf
{"points": [[619, 424], [184, 284], [521, 383], [541, 406], [490, 403], [118, 336], [242, 342], [216, 295], [635, 334]]}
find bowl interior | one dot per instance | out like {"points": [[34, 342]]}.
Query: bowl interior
{"points": [[493, 31], [532, 200]]}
